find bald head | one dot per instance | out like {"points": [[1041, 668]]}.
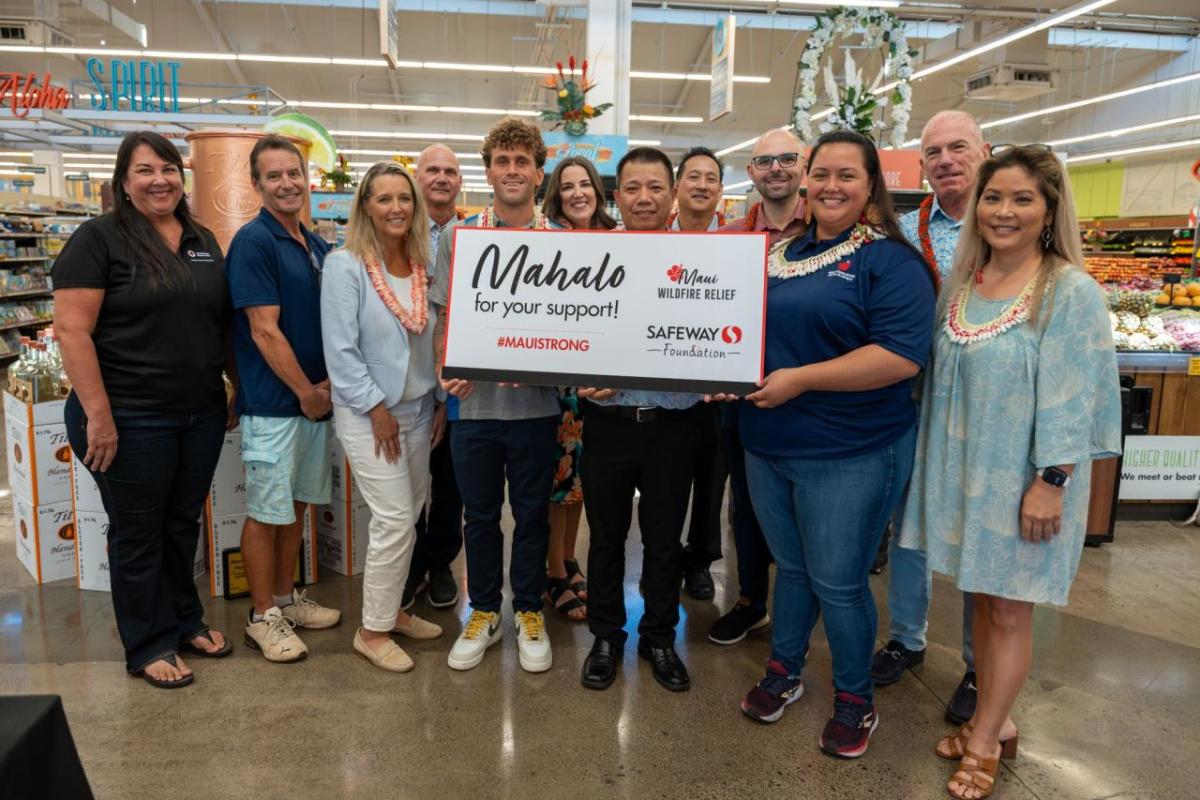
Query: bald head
{"points": [[776, 182], [952, 148], [439, 180]]}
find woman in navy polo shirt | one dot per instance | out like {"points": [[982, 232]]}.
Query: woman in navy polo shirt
{"points": [[830, 434]]}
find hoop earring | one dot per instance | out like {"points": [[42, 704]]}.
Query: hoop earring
{"points": [[1047, 237]]}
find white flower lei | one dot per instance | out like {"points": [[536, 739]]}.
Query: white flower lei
{"points": [[879, 29]]}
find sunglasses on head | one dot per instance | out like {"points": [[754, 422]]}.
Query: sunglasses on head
{"points": [[1001, 149], [785, 160]]}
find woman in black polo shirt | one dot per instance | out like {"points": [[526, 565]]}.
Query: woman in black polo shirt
{"points": [[141, 310]]}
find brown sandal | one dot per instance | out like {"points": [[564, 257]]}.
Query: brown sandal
{"points": [[980, 776], [955, 745]]}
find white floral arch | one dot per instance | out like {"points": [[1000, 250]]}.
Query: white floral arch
{"points": [[854, 108]]}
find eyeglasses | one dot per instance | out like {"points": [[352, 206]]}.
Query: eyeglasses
{"points": [[1000, 149], [786, 160]]}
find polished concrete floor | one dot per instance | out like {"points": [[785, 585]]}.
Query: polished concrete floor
{"points": [[1110, 711]]}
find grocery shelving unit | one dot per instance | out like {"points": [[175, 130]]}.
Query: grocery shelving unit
{"points": [[1152, 246], [27, 251]]}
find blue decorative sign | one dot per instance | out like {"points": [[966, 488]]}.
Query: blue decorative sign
{"points": [[331, 205], [603, 151], [151, 86]]}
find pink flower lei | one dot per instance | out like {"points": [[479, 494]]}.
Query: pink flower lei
{"points": [[415, 321]]}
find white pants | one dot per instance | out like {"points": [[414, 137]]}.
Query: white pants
{"points": [[396, 494]]}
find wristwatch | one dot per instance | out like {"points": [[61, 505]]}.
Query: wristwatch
{"points": [[1055, 477]]}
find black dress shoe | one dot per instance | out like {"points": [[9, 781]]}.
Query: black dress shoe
{"points": [[443, 589], [699, 583], [600, 666], [669, 669], [962, 703], [893, 658]]}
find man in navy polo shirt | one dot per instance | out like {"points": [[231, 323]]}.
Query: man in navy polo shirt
{"points": [[274, 274]]}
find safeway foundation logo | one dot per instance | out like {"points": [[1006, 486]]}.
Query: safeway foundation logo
{"points": [[731, 334], [692, 341]]}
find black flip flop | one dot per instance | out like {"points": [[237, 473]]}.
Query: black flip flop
{"points": [[186, 680], [556, 588], [188, 647], [579, 586]]}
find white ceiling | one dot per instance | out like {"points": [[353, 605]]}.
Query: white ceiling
{"points": [[1130, 43]]}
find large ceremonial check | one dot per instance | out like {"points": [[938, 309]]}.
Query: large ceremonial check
{"points": [[614, 309]]}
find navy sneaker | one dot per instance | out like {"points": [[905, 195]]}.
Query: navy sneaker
{"points": [[771, 695], [889, 663], [849, 730]]}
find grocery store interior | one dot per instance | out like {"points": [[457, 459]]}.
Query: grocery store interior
{"points": [[1111, 707]]}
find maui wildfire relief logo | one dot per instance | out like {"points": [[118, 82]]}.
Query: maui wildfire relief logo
{"points": [[842, 270]]}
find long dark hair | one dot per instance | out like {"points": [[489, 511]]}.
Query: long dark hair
{"points": [[889, 223], [552, 205], [145, 246]]}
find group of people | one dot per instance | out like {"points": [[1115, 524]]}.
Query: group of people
{"points": [[956, 379]]}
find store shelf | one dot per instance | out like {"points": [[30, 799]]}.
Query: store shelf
{"points": [[25, 259], [23, 235], [30, 324], [1166, 362], [45, 290]]}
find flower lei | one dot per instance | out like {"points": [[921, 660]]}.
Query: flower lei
{"points": [[879, 29], [488, 215], [779, 267], [415, 321], [962, 332], [927, 242]]}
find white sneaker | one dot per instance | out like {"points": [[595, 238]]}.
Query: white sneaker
{"points": [[481, 632], [533, 643], [309, 613], [275, 637]]}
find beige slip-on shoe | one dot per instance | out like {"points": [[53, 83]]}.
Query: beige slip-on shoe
{"points": [[389, 657], [418, 628]]}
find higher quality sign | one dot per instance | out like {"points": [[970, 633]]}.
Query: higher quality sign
{"points": [[623, 310], [1161, 468]]}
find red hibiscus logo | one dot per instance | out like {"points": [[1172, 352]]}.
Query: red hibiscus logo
{"points": [[731, 334], [675, 272], [845, 265]]}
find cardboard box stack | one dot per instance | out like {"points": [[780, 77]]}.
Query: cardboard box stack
{"points": [[342, 525], [39, 472], [223, 521]]}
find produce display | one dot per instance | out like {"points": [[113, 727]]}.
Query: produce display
{"points": [[1142, 319]]}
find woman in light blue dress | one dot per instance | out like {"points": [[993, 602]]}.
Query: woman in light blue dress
{"points": [[1021, 396]]}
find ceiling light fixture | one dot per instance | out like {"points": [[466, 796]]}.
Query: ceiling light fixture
{"points": [[1133, 151], [1164, 123], [663, 118]]}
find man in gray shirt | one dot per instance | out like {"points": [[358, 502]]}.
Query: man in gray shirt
{"points": [[502, 431]]}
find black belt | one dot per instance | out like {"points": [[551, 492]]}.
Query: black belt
{"points": [[639, 413]]}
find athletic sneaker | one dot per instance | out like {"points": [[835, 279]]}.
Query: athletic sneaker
{"points": [[849, 730], [771, 695], [309, 613], [275, 637], [533, 643], [736, 623], [481, 632]]}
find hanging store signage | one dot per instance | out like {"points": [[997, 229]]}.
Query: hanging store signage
{"points": [[144, 85], [20, 93], [331, 205], [720, 98], [22, 183], [82, 177], [1161, 468], [31, 170], [603, 151], [389, 33]]}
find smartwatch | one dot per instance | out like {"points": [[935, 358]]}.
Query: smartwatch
{"points": [[1055, 477]]}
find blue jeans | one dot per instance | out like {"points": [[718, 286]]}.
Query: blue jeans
{"points": [[485, 452], [153, 492], [909, 586], [823, 519]]}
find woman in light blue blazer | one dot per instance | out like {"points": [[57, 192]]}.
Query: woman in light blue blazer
{"points": [[377, 327]]}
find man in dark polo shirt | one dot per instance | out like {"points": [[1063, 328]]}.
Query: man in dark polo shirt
{"points": [[274, 275]]}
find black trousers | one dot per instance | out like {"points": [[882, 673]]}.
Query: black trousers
{"points": [[153, 493], [440, 528], [710, 470], [655, 458], [753, 555]]}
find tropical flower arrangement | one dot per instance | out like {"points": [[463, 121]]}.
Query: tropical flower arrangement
{"points": [[573, 111], [854, 105], [339, 176]]}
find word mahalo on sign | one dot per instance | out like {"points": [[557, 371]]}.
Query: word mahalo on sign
{"points": [[615, 309]]}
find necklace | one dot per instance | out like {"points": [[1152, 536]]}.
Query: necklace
{"points": [[415, 321], [927, 242], [779, 267], [962, 332], [488, 215]]}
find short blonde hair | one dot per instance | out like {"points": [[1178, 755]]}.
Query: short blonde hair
{"points": [[363, 242]]}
